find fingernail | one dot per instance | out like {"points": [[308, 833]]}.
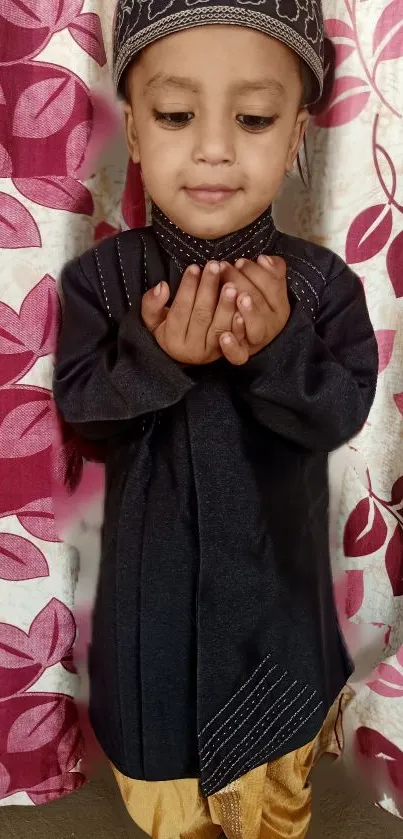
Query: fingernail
{"points": [[230, 293], [214, 267], [227, 339], [194, 269], [158, 289], [246, 302], [239, 320], [240, 263], [266, 260]]}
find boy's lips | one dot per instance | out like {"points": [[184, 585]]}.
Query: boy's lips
{"points": [[210, 194]]}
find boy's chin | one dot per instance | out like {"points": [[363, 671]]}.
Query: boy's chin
{"points": [[212, 222]]}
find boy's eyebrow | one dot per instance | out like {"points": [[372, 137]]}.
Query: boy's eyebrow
{"points": [[161, 80]]}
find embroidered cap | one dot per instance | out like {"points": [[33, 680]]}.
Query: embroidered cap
{"points": [[297, 23]]}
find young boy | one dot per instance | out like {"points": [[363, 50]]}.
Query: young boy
{"points": [[220, 361]]}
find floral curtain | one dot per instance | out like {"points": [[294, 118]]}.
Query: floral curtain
{"points": [[53, 122]]}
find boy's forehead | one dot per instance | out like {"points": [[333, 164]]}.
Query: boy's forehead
{"points": [[296, 23]]}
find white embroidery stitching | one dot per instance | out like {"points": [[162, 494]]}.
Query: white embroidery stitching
{"points": [[101, 277]]}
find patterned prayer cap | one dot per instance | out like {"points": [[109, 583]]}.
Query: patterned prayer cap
{"points": [[297, 23]]}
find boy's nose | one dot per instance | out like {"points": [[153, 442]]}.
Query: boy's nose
{"points": [[215, 144]]}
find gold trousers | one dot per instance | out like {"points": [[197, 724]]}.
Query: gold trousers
{"points": [[271, 802]]}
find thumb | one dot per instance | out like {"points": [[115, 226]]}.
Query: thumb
{"points": [[153, 306]]}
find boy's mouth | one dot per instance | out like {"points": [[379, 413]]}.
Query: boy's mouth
{"points": [[210, 194]]}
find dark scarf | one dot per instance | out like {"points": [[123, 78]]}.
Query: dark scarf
{"points": [[185, 250]]}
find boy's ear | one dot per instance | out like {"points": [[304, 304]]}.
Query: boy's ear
{"points": [[131, 134], [297, 138]]}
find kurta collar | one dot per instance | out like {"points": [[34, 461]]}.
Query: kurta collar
{"points": [[185, 250]]}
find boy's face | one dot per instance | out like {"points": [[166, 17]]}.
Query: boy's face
{"points": [[214, 119]]}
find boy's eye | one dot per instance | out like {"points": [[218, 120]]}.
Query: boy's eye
{"points": [[175, 119], [255, 123]]}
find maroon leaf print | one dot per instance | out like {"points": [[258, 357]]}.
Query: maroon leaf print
{"points": [[368, 233], [55, 788], [17, 227], [394, 262], [394, 561], [68, 663], [365, 531], [133, 202], [38, 519], [86, 30], [343, 38], [40, 317], [36, 727], [18, 668], [350, 96], [398, 397], [386, 340], [70, 746], [397, 493], [11, 342], [355, 592], [399, 656], [388, 33], [383, 754], [26, 430], [4, 781], [20, 559], [52, 634], [29, 14], [390, 674], [44, 108], [6, 164], [57, 193], [67, 11], [385, 690], [77, 145]]}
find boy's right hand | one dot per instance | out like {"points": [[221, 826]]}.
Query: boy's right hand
{"points": [[189, 331]]}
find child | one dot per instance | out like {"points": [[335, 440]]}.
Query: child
{"points": [[220, 361]]}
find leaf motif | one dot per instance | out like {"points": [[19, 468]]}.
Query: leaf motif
{"points": [[55, 788], [394, 561], [40, 317], [399, 656], [67, 11], [349, 98], [390, 18], [36, 727], [386, 341], [103, 231], [4, 781], [368, 233], [38, 519], [343, 51], [355, 592], [394, 264], [20, 559], [384, 690], [6, 164], [357, 540], [57, 193], [17, 227], [336, 28], [70, 749], [29, 14], [10, 332], [77, 145], [397, 493], [15, 648], [52, 633], [133, 202], [26, 430], [390, 674], [45, 107], [398, 397], [87, 32]]}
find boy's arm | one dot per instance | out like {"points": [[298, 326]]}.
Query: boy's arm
{"points": [[315, 383], [107, 376]]}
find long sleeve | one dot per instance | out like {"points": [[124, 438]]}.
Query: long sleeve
{"points": [[316, 382], [107, 375]]}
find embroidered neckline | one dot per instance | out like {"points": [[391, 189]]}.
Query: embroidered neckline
{"points": [[184, 250]]}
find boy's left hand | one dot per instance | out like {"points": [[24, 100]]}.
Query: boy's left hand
{"points": [[262, 303]]}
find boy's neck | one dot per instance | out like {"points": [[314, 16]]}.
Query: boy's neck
{"points": [[185, 250]]}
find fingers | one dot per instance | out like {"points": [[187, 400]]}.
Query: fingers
{"points": [[268, 275], [224, 313], [180, 313], [232, 350], [238, 328], [206, 301], [153, 306]]}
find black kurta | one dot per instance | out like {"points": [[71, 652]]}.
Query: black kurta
{"points": [[216, 646]]}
